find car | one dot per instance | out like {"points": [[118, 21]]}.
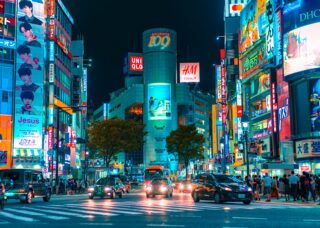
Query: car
{"points": [[185, 186], [125, 181], [106, 187], [161, 186], [221, 188], [25, 184], [2, 197]]}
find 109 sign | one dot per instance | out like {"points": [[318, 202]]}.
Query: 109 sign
{"points": [[161, 39]]}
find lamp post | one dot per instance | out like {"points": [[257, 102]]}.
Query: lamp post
{"points": [[245, 125]]}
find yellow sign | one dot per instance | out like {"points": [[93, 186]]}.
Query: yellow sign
{"points": [[214, 129], [62, 105]]}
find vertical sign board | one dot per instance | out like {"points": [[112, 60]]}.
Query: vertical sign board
{"points": [[274, 106], [224, 94], [218, 83], [214, 129], [270, 29], [29, 76]]}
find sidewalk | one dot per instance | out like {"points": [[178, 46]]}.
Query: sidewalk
{"points": [[282, 201]]}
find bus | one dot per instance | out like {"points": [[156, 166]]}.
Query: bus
{"points": [[154, 171]]}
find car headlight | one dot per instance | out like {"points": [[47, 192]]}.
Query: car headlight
{"points": [[181, 186], [107, 189], [250, 189], [149, 188], [189, 186], [91, 189], [227, 189], [163, 189]]}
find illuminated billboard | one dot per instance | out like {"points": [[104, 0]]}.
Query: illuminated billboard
{"points": [[315, 104], [159, 98], [218, 84], [189, 72], [301, 49], [301, 30], [6, 141], [29, 75], [159, 40], [133, 64]]}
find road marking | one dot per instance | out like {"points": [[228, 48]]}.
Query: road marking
{"points": [[12, 216], [186, 216], [96, 224], [250, 218], [37, 214], [110, 209], [3, 223], [59, 212], [83, 211], [311, 220], [165, 225]]}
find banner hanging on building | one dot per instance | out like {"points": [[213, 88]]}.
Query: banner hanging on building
{"points": [[29, 75]]}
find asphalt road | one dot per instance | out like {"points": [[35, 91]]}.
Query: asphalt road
{"points": [[135, 210]]}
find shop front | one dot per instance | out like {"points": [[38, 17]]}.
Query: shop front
{"points": [[308, 155]]}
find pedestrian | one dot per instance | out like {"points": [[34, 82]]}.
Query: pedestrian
{"points": [[313, 187], [304, 186], [274, 188], [267, 186], [293, 182], [286, 187]]}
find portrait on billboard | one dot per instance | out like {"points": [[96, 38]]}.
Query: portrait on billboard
{"points": [[159, 101], [28, 61], [25, 75], [27, 108], [31, 39], [301, 49], [315, 104], [27, 7]]}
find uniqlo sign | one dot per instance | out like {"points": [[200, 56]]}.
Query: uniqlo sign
{"points": [[136, 63]]}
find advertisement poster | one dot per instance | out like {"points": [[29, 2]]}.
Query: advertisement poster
{"points": [[315, 104], [6, 141], [29, 77], [253, 23], [283, 108], [159, 95], [218, 84], [189, 72]]}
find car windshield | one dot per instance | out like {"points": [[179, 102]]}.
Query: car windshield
{"points": [[226, 179], [151, 173], [10, 176], [105, 181], [159, 181]]}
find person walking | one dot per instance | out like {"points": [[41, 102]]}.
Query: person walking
{"points": [[313, 188], [286, 186], [267, 186], [293, 181]]}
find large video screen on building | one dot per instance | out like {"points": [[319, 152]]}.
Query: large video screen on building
{"points": [[159, 98], [29, 75], [315, 104], [301, 49]]}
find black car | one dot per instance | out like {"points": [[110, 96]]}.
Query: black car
{"points": [[25, 184], [2, 197], [106, 187], [221, 188], [125, 181], [161, 186]]}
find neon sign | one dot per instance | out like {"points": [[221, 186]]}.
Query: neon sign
{"points": [[161, 39]]}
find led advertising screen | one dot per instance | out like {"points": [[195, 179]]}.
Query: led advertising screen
{"points": [[301, 29], [315, 104], [283, 108], [189, 72], [29, 75], [159, 95], [301, 49], [218, 84]]}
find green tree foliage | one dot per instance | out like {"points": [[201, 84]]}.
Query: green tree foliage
{"points": [[109, 137], [186, 144]]}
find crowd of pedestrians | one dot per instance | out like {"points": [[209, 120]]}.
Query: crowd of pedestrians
{"points": [[72, 186], [304, 187]]}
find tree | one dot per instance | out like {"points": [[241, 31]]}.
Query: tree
{"points": [[109, 137], [186, 144]]}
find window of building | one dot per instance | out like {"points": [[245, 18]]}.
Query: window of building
{"points": [[5, 96]]}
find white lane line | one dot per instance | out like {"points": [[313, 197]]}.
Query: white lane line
{"points": [[95, 224], [250, 218], [16, 217], [45, 209], [164, 225], [186, 216], [311, 220], [83, 211], [3, 223], [110, 209], [37, 214]]}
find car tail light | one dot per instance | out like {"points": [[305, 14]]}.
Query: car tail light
{"points": [[21, 190]]}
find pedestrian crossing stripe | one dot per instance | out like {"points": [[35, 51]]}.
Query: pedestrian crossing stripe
{"points": [[89, 210]]}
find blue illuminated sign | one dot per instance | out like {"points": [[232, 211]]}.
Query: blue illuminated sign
{"points": [[51, 51]]}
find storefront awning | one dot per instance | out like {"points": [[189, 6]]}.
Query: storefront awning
{"points": [[27, 152], [279, 166]]}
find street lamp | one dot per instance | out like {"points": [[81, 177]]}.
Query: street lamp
{"points": [[245, 125]]}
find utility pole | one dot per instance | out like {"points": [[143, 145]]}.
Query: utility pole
{"points": [[57, 149]]}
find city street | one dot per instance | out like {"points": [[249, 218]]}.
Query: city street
{"points": [[134, 210]]}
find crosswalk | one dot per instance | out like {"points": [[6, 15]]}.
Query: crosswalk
{"points": [[86, 210]]}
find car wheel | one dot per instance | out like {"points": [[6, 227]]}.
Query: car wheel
{"points": [[247, 202], [47, 197], [147, 195], [102, 196], [171, 195], [195, 197], [120, 195], [29, 198], [2, 204], [91, 196], [217, 198]]}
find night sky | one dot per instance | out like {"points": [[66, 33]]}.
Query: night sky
{"points": [[113, 27]]}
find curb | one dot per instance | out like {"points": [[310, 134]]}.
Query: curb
{"points": [[288, 203]]}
